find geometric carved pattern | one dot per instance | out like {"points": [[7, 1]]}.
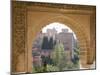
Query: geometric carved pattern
{"points": [[18, 24]]}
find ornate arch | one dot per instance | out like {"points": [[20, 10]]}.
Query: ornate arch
{"points": [[21, 53], [79, 31]]}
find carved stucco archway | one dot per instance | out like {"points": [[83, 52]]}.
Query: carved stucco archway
{"points": [[29, 18], [81, 33]]}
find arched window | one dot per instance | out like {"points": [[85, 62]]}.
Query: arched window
{"points": [[55, 46]]}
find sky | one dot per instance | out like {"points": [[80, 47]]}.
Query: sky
{"points": [[58, 26]]}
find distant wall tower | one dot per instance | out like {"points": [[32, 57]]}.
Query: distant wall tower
{"points": [[65, 30]]}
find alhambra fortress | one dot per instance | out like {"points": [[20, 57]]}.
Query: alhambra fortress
{"points": [[28, 18], [64, 37]]}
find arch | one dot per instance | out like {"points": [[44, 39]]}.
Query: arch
{"points": [[41, 14], [81, 34]]}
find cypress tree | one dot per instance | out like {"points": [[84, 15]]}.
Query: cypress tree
{"points": [[45, 43], [50, 43]]}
